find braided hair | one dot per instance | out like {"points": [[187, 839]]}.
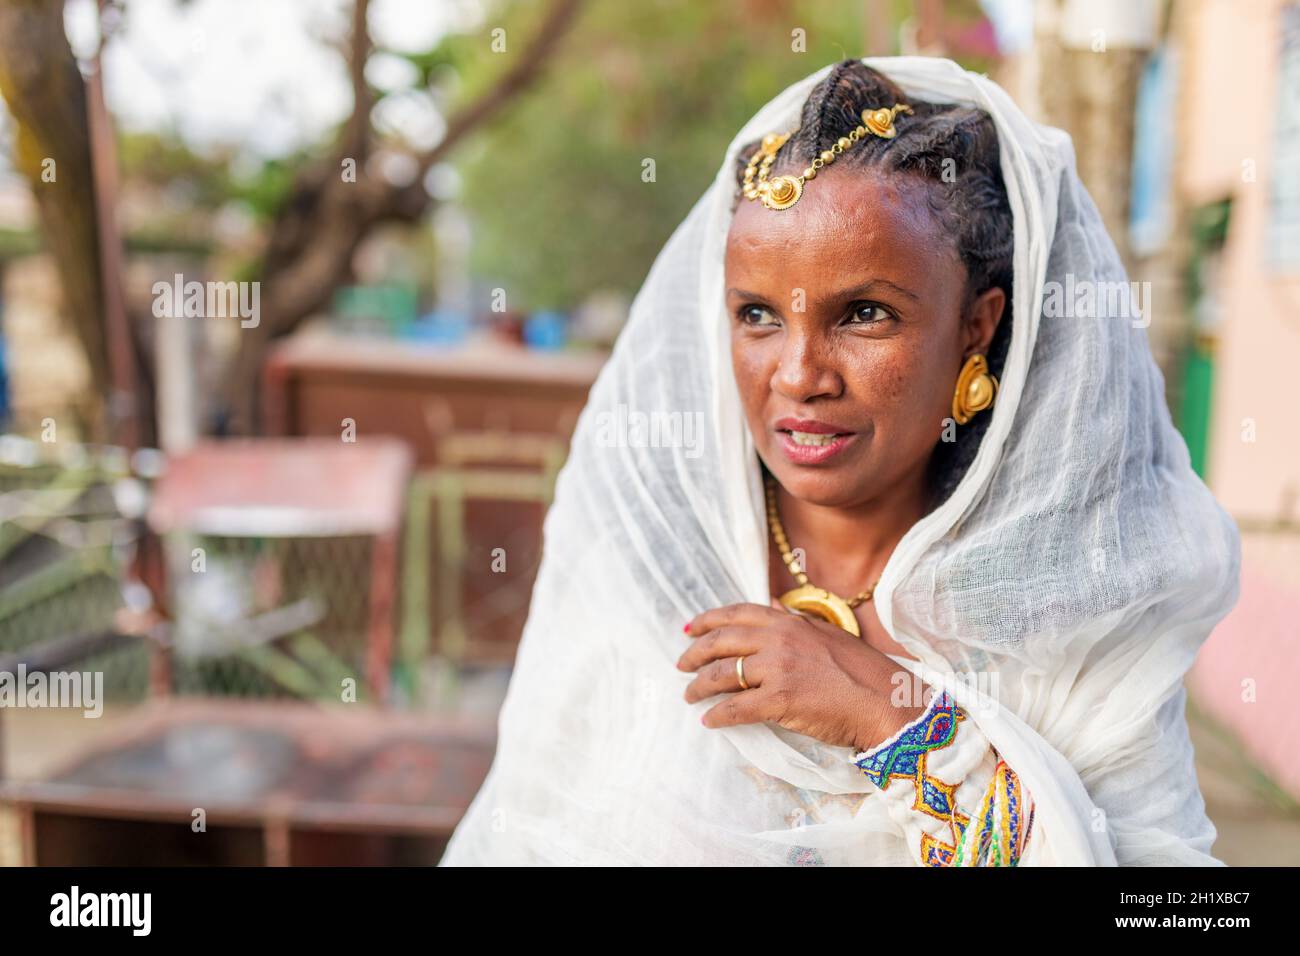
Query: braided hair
{"points": [[955, 149]]}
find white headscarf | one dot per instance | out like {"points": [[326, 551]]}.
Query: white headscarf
{"points": [[1074, 571]]}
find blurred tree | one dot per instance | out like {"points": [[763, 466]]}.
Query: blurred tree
{"points": [[318, 214], [46, 96], [327, 212]]}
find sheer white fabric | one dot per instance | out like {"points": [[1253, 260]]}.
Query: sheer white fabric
{"points": [[1060, 594]]}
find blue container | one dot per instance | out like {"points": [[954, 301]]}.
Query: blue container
{"points": [[546, 330], [439, 327]]}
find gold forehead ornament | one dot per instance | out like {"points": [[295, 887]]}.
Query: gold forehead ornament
{"points": [[783, 192]]}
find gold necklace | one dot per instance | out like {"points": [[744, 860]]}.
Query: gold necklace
{"points": [[809, 598]]}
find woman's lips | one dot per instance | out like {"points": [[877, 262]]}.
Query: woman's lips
{"points": [[812, 448]]}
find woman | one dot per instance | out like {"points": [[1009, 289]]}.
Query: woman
{"points": [[923, 587]]}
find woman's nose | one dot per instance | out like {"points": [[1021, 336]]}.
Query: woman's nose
{"points": [[805, 371]]}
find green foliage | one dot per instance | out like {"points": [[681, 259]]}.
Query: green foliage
{"points": [[556, 189], [162, 160], [16, 243], [207, 182], [454, 53], [265, 191], [195, 187]]}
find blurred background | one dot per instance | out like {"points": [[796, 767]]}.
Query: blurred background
{"points": [[300, 300]]}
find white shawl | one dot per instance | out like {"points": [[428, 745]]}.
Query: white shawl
{"points": [[1060, 593]]}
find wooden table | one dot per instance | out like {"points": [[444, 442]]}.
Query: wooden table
{"points": [[274, 783], [313, 382]]}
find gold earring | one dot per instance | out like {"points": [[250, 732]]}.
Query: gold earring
{"points": [[976, 389]]}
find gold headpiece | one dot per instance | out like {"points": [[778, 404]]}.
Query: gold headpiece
{"points": [[784, 191]]}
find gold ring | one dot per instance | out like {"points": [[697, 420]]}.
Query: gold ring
{"points": [[740, 672]]}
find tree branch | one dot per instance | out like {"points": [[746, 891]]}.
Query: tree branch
{"points": [[309, 253], [356, 136], [515, 81]]}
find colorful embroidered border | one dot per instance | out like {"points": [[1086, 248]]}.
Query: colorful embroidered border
{"points": [[997, 838], [904, 755], [804, 856], [901, 755]]}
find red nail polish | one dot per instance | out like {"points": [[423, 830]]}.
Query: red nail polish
{"points": [[686, 628]]}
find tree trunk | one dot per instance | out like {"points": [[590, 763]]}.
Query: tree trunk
{"points": [[41, 84]]}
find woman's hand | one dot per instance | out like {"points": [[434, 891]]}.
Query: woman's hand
{"points": [[808, 676]]}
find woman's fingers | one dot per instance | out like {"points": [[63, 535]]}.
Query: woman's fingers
{"points": [[728, 641], [723, 677], [747, 707], [721, 636], [752, 615]]}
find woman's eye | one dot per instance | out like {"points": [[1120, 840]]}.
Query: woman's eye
{"points": [[866, 313], [756, 315]]}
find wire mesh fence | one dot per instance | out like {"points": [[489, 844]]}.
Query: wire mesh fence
{"points": [[250, 617], [281, 616], [270, 617], [63, 538]]}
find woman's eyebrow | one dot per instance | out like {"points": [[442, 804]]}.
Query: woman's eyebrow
{"points": [[872, 285], [864, 288]]}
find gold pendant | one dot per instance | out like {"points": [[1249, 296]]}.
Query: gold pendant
{"points": [[782, 192], [821, 603]]}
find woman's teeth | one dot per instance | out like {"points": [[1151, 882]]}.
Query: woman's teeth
{"points": [[810, 438]]}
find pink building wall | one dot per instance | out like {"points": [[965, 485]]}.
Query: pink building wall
{"points": [[1245, 674]]}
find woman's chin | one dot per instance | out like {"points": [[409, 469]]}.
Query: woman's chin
{"points": [[830, 485]]}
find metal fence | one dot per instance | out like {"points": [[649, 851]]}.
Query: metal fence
{"points": [[63, 539], [284, 616]]}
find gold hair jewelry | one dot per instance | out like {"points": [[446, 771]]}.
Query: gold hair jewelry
{"points": [[976, 389], [809, 598], [784, 191], [740, 671]]}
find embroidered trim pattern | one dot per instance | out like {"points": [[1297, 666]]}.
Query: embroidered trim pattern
{"points": [[903, 756], [997, 839], [804, 856]]}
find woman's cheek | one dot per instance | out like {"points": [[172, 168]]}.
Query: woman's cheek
{"points": [[752, 384], [886, 381], [903, 395]]}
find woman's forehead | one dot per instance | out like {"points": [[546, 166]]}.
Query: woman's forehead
{"points": [[851, 220]]}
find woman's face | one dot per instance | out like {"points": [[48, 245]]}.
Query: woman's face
{"points": [[848, 332]]}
